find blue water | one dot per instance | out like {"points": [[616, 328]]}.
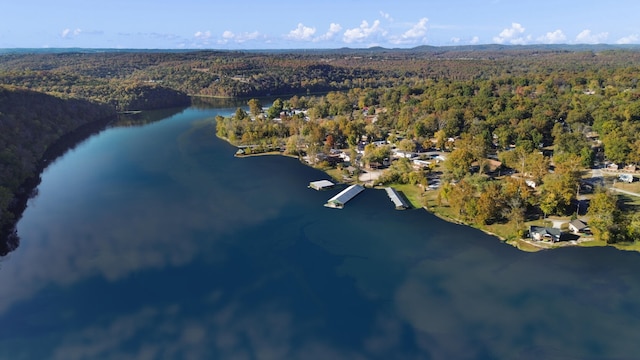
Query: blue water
{"points": [[154, 242]]}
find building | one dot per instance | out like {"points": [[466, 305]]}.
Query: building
{"points": [[338, 201], [578, 226], [321, 185], [541, 233]]}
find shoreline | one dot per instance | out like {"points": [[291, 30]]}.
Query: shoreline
{"points": [[28, 188], [521, 244]]}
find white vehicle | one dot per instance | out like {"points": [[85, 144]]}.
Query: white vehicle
{"points": [[628, 178]]}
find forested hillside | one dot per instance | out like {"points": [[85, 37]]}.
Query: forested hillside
{"points": [[580, 102], [30, 123], [117, 78]]}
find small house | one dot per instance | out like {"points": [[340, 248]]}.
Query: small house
{"points": [[541, 233], [577, 226]]}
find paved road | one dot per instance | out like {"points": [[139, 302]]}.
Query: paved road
{"points": [[625, 192]]}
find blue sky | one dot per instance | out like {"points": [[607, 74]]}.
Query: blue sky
{"points": [[286, 24]]}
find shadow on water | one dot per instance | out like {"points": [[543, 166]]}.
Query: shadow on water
{"points": [[9, 238], [29, 188], [142, 118]]}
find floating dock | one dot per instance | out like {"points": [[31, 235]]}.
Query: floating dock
{"points": [[321, 185], [398, 200], [338, 201]]}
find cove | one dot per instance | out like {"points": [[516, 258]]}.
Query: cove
{"points": [[154, 242]]}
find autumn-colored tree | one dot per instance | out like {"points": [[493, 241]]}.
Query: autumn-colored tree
{"points": [[255, 107], [461, 198], [603, 216], [490, 203]]}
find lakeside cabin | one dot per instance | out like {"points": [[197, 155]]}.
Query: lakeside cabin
{"points": [[321, 185], [397, 200], [338, 201]]}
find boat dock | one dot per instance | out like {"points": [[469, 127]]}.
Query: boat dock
{"points": [[321, 185], [398, 200], [338, 201]]}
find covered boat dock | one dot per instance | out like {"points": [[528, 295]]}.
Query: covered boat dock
{"points": [[399, 201], [345, 195], [321, 185]]}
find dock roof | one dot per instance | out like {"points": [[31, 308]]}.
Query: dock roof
{"points": [[399, 201], [345, 195], [321, 184]]}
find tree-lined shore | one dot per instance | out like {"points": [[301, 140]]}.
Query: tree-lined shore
{"points": [[543, 115]]}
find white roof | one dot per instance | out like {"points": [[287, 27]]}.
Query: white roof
{"points": [[346, 194], [321, 184]]}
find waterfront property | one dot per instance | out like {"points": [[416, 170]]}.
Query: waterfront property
{"points": [[542, 233], [321, 185], [398, 201], [578, 226], [344, 196]]}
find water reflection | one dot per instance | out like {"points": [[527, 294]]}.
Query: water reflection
{"points": [[155, 242]]}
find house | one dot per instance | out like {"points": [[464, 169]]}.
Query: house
{"points": [[578, 226], [541, 233]]}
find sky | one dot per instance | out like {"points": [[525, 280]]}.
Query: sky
{"points": [[299, 24]]}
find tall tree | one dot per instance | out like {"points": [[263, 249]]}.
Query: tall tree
{"points": [[604, 214], [255, 107]]}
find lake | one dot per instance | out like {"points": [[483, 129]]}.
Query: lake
{"points": [[155, 242]]}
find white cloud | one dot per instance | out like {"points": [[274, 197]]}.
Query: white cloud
{"points": [[512, 35], [586, 37], [555, 37], [68, 33], [202, 35], [229, 36], [418, 30], [631, 39], [362, 33], [474, 40], [455, 40], [416, 34], [334, 29], [301, 33], [386, 16]]}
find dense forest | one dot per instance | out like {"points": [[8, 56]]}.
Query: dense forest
{"points": [[30, 123], [549, 112]]}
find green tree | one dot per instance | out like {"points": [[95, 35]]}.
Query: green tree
{"points": [[604, 214], [275, 109], [407, 145], [241, 114], [255, 107]]}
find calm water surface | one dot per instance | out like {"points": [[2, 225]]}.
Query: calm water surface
{"points": [[154, 242]]}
